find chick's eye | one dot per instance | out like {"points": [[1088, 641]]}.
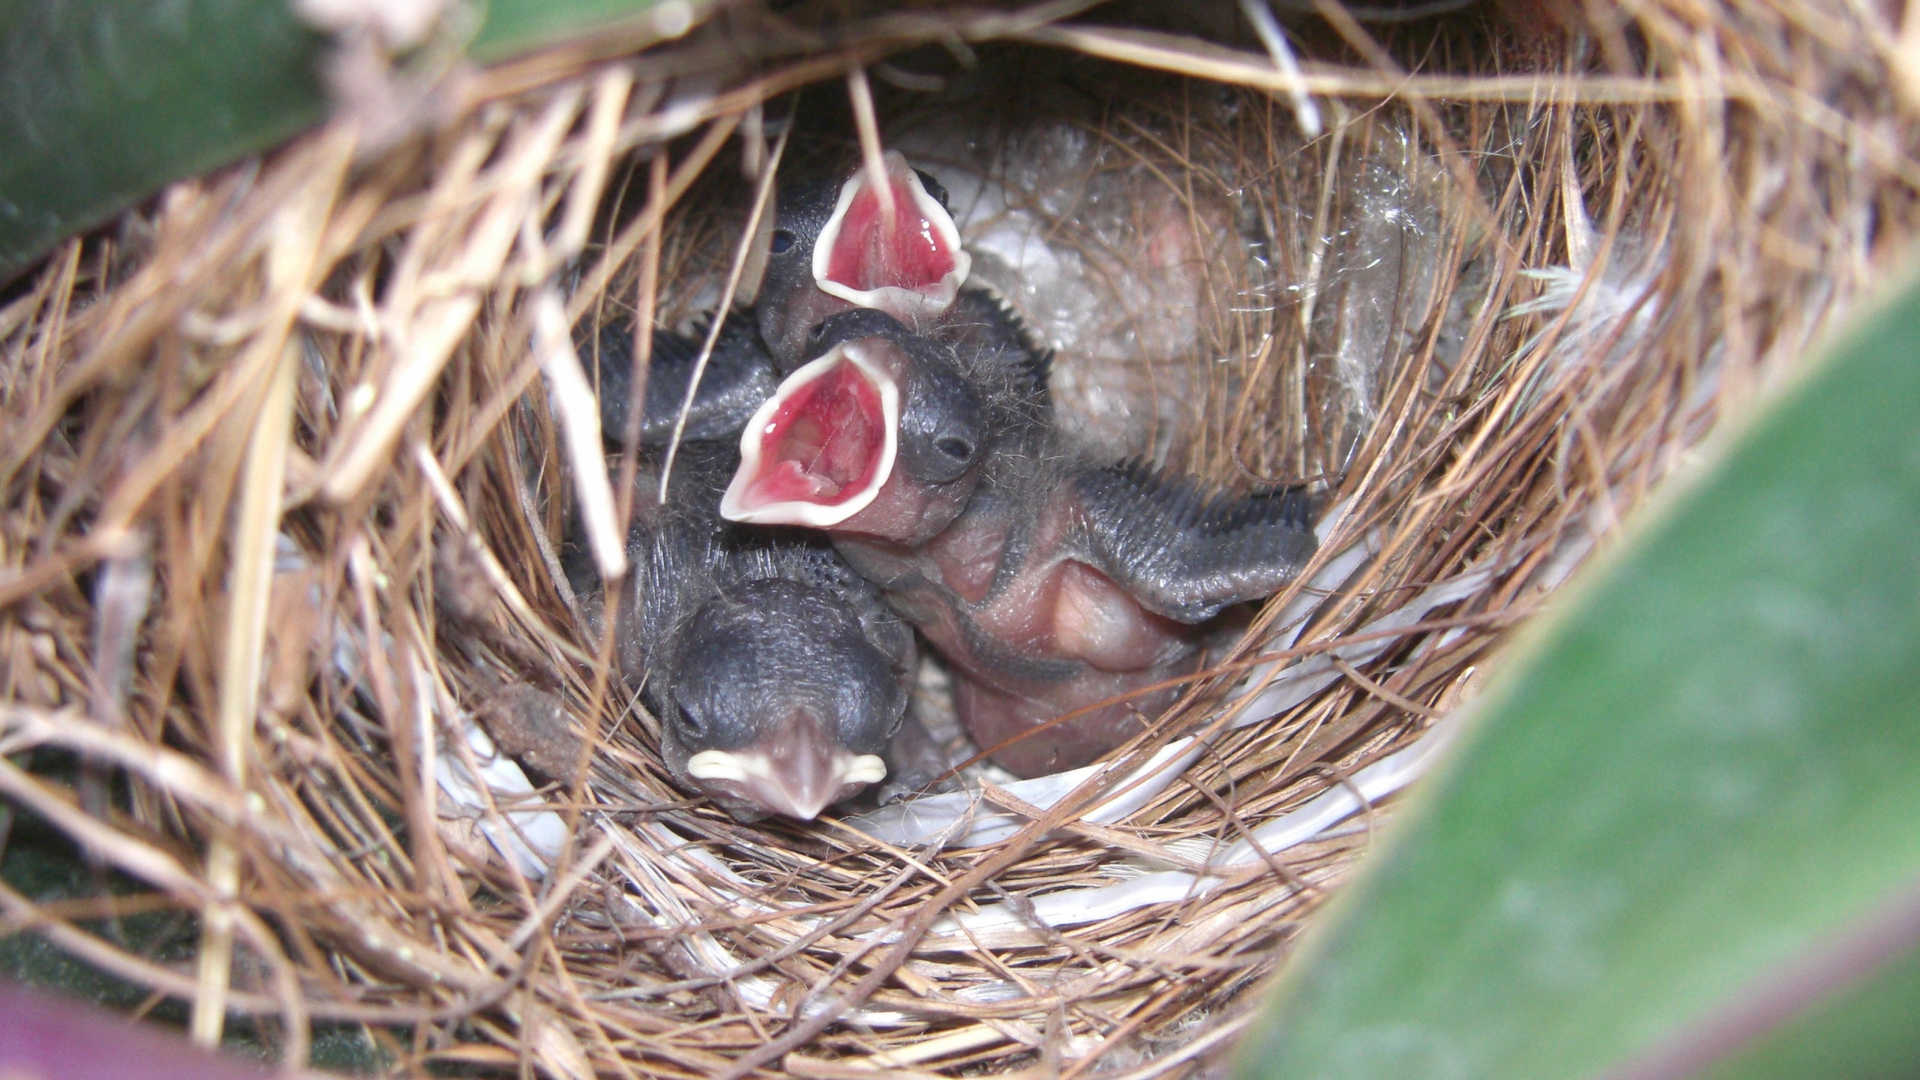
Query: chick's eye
{"points": [[955, 447], [782, 240], [691, 726]]}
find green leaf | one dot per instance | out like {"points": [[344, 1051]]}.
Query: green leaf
{"points": [[104, 101], [515, 26], [1871, 1030], [1709, 768]]}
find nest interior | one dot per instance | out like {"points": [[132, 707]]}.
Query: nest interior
{"points": [[289, 470]]}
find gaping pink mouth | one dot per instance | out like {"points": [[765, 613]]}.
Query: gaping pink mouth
{"points": [[908, 263], [818, 451]]}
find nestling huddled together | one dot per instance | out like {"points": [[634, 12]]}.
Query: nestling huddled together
{"points": [[871, 459]]}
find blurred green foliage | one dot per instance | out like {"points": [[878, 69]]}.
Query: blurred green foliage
{"points": [[1703, 774]]}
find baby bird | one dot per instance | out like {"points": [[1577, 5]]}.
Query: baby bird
{"points": [[834, 247], [882, 427], [779, 675], [1057, 589], [833, 255]]}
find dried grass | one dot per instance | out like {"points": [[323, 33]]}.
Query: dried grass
{"points": [[282, 491]]}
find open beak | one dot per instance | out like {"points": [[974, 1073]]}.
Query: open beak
{"points": [[905, 259], [820, 449], [797, 770]]}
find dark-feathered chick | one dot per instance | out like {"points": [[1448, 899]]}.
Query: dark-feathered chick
{"points": [[779, 675]]}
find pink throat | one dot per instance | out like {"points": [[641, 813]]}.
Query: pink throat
{"points": [[823, 444], [868, 255]]}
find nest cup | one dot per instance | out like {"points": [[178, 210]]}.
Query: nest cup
{"points": [[293, 450]]}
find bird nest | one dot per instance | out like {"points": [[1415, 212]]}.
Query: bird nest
{"points": [[292, 451]]}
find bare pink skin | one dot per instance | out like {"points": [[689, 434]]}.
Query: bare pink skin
{"points": [[1052, 637]]}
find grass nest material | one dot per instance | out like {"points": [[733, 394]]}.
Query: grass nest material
{"points": [[288, 464]]}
